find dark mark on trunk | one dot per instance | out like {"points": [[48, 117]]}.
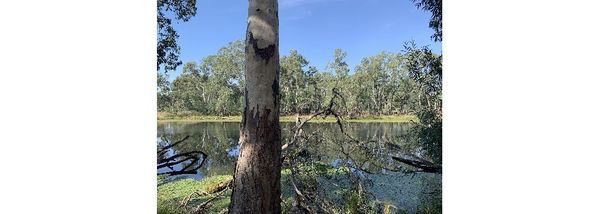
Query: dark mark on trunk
{"points": [[275, 88], [259, 121], [265, 53], [247, 102]]}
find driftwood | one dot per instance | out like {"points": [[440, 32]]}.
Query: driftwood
{"points": [[305, 198], [188, 198], [204, 206], [419, 163], [218, 190], [221, 186]]}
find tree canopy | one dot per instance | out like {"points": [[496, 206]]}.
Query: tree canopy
{"points": [[389, 83], [435, 23], [166, 44]]}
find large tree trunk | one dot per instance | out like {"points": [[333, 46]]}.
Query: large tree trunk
{"points": [[256, 187]]}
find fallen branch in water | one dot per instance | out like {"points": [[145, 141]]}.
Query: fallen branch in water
{"points": [[165, 149], [325, 112], [300, 199], [169, 162], [419, 163], [307, 198]]}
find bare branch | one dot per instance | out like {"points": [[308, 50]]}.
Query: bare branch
{"points": [[423, 165], [169, 162]]}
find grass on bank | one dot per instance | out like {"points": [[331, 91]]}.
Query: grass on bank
{"points": [[171, 193], [193, 117]]}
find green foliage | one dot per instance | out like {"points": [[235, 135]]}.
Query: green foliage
{"points": [[163, 90], [215, 87], [321, 156], [166, 46], [298, 84], [187, 116], [390, 84], [429, 209], [435, 23], [357, 202], [339, 65], [425, 68], [380, 77]]}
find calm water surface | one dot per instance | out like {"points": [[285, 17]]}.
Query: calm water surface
{"points": [[219, 141]]}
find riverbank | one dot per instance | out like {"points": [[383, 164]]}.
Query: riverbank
{"points": [[170, 117], [184, 195], [172, 193]]}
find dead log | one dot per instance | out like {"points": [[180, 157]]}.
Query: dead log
{"points": [[421, 164]]}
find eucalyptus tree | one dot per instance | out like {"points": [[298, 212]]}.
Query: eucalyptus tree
{"points": [[435, 22], [188, 90], [339, 65], [312, 95], [163, 92], [167, 49], [225, 79], [392, 88], [425, 68], [325, 81], [382, 79], [404, 100], [213, 87], [217, 85], [293, 81], [341, 80], [373, 77], [256, 181]]}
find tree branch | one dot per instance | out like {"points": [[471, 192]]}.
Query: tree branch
{"points": [[192, 156], [423, 165]]}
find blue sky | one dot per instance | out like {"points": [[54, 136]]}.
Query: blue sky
{"points": [[313, 27]]}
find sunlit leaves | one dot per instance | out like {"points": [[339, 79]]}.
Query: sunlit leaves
{"points": [[435, 23], [166, 45]]}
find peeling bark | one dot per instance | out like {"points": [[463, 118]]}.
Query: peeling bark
{"points": [[256, 182]]}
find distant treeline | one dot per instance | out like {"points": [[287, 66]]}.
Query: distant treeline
{"points": [[383, 84]]}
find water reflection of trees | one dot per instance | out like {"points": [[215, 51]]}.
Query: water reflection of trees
{"points": [[358, 157], [324, 143], [214, 139], [219, 139], [172, 163]]}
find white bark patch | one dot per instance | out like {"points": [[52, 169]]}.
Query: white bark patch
{"points": [[262, 31]]}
